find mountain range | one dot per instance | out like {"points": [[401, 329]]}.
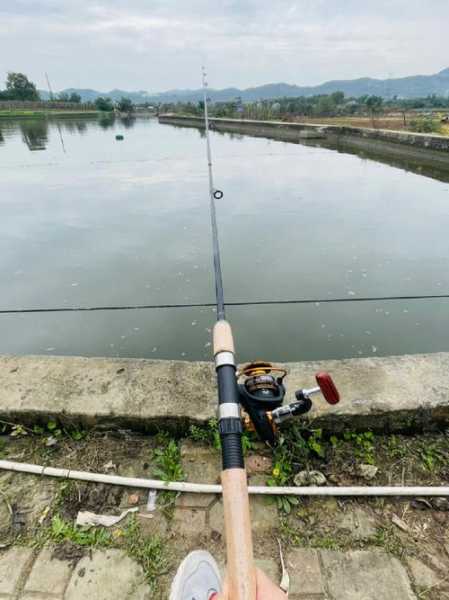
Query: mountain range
{"points": [[413, 86]]}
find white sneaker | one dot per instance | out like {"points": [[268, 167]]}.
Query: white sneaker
{"points": [[197, 578]]}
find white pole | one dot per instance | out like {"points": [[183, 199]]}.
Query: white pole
{"points": [[204, 488]]}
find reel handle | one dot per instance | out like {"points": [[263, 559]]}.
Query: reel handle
{"points": [[327, 387]]}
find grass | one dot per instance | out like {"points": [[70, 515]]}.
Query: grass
{"points": [[150, 553], [210, 435], [41, 114], [92, 537]]}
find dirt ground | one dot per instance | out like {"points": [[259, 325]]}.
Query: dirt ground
{"points": [[393, 122], [36, 511]]}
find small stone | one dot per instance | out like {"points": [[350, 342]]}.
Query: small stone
{"points": [[133, 499], [366, 471], [309, 478], [440, 503], [422, 575], [440, 517]]}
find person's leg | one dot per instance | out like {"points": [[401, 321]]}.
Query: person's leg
{"points": [[197, 578]]}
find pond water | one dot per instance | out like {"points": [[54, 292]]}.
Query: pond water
{"points": [[87, 220]]}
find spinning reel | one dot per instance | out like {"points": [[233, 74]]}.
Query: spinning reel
{"points": [[262, 392]]}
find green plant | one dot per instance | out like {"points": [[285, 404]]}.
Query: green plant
{"points": [[363, 444], [396, 448], [206, 434], [18, 431], [167, 461], [430, 456], [281, 475], [61, 531], [315, 443], [149, 552], [387, 538], [425, 125]]}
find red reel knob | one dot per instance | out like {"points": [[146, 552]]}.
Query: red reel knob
{"points": [[327, 387]]}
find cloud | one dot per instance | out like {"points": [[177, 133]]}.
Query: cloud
{"points": [[156, 45]]}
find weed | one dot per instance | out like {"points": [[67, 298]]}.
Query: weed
{"points": [[430, 456], [281, 475], [148, 552], [315, 443], [206, 435], [387, 538], [211, 435], [426, 125], [167, 460], [325, 543], [61, 531], [396, 448], [363, 445]]}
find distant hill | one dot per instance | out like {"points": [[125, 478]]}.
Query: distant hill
{"points": [[414, 86]]}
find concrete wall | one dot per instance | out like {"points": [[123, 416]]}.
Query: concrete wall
{"points": [[384, 394], [431, 149]]}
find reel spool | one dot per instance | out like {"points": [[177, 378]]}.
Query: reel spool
{"points": [[262, 392]]}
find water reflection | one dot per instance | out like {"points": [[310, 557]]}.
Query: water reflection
{"points": [[128, 223], [106, 121], [35, 133]]}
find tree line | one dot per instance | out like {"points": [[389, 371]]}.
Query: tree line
{"points": [[20, 88], [322, 105]]}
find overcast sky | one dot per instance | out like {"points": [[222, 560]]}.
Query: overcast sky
{"points": [[157, 45]]}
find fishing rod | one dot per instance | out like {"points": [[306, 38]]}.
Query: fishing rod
{"points": [[241, 571], [258, 389]]}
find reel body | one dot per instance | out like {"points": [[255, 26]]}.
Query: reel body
{"points": [[262, 393]]}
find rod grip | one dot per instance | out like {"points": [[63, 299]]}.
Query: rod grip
{"points": [[240, 573], [223, 340]]}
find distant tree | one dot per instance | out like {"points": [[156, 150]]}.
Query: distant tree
{"points": [[125, 105], [338, 97], [19, 87], [374, 104], [104, 104], [325, 106], [63, 97], [75, 98]]}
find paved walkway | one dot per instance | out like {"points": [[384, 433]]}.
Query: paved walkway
{"points": [[111, 575]]}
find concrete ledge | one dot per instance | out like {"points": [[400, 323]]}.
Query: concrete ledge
{"points": [[427, 150], [383, 394]]}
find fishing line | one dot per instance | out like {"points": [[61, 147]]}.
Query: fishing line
{"points": [[316, 301]]}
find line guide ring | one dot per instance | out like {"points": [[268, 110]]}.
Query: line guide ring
{"points": [[218, 194]]}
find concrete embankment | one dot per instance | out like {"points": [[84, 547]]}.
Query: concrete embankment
{"points": [[431, 150], [383, 394]]}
